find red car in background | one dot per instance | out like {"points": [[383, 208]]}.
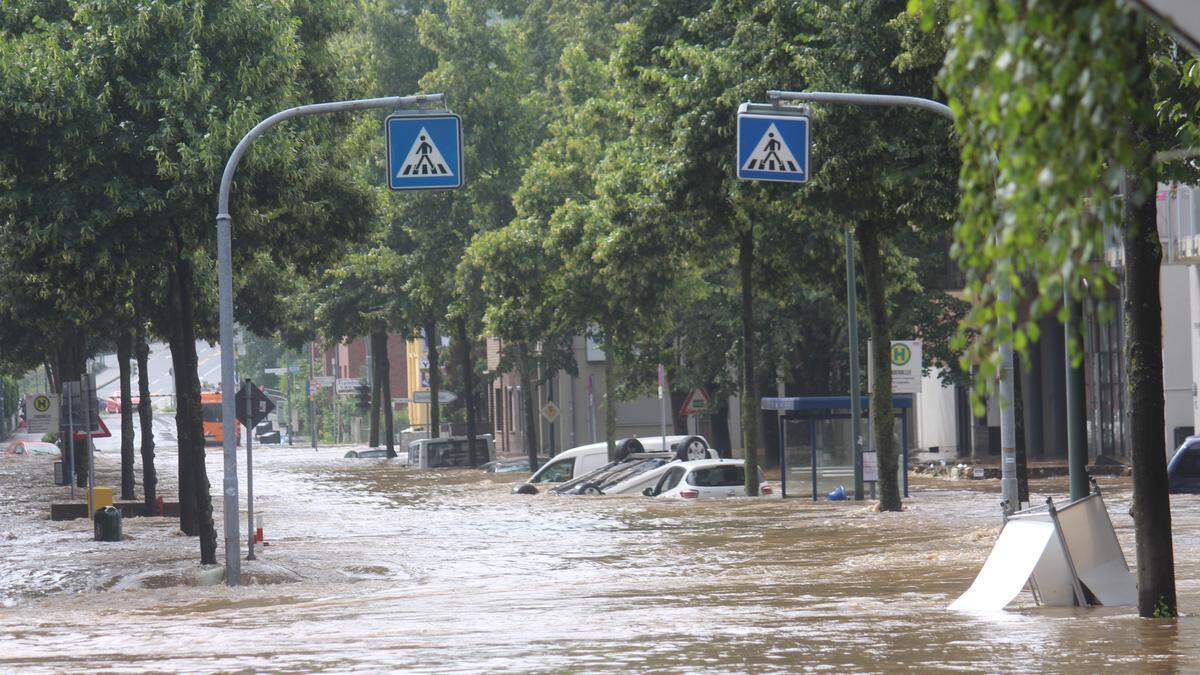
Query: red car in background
{"points": [[112, 404], [31, 448]]}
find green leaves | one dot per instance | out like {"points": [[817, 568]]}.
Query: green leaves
{"points": [[1042, 94]]}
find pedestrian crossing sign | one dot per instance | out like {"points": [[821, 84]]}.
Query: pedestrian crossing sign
{"points": [[772, 147], [424, 151]]}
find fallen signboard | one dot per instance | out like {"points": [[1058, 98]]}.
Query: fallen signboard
{"points": [[1068, 556]]}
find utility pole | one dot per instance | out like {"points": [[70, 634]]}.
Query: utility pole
{"points": [[233, 569], [312, 404], [249, 469], [1077, 454], [852, 339]]}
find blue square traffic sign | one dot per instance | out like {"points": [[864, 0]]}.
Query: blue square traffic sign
{"points": [[424, 151], [772, 147]]}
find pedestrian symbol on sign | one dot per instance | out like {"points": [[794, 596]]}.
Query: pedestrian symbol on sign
{"points": [[424, 159], [772, 154]]}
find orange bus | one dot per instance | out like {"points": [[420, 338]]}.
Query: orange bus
{"points": [[210, 412]]}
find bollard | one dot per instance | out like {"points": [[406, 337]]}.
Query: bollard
{"points": [[258, 529]]}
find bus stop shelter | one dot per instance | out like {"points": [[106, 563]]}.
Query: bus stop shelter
{"points": [[816, 452]]}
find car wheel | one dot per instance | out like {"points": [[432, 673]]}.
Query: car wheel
{"points": [[692, 448], [627, 446]]}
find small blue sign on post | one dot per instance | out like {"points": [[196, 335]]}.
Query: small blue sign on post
{"points": [[772, 144], [424, 151]]}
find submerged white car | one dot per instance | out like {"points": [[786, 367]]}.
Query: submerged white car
{"points": [[704, 479], [580, 461]]}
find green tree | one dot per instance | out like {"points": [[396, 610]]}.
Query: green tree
{"points": [[165, 91], [1058, 108], [889, 172]]}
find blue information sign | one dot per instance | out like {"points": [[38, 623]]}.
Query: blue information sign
{"points": [[772, 147], [424, 151]]}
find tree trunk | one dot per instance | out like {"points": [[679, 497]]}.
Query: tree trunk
{"points": [[385, 378], [377, 337], [188, 412], [749, 402], [468, 385], [610, 404], [882, 418], [146, 420], [768, 424], [70, 368], [435, 380], [184, 434], [524, 368], [1151, 508], [124, 353]]}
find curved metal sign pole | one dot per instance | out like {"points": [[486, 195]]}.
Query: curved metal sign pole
{"points": [[1008, 433], [233, 570]]}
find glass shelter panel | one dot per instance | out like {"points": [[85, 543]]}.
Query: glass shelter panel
{"points": [[816, 447]]}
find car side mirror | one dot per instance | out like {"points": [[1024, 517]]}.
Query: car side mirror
{"points": [[648, 492]]}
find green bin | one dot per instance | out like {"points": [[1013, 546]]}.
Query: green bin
{"points": [[107, 524]]}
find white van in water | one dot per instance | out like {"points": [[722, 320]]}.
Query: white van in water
{"points": [[438, 453], [576, 462]]}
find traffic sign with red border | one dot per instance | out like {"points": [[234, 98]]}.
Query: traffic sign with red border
{"points": [[697, 403]]}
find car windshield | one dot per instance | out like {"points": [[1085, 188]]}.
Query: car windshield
{"points": [[625, 473], [613, 473], [718, 476], [557, 472], [565, 488]]}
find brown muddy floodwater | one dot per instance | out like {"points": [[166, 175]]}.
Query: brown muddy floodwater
{"points": [[374, 567]]}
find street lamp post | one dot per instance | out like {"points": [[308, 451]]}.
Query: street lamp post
{"points": [[225, 289]]}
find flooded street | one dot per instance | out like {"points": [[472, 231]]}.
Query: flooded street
{"points": [[373, 566]]}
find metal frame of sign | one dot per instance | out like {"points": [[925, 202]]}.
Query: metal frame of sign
{"points": [[768, 111], [427, 115]]}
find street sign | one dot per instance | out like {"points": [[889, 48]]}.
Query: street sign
{"points": [[905, 356], [906, 366], [260, 405], [324, 381], [870, 467], [81, 419], [696, 403], [276, 371], [294, 368], [444, 397], [550, 411], [347, 385], [41, 413], [100, 432], [772, 146], [424, 151]]}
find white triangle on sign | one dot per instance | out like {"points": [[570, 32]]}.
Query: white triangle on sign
{"points": [[424, 159], [772, 154]]}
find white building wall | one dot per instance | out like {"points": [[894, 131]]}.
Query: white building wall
{"points": [[934, 413], [1178, 374]]}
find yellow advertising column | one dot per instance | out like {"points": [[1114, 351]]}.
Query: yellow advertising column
{"points": [[418, 381]]}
